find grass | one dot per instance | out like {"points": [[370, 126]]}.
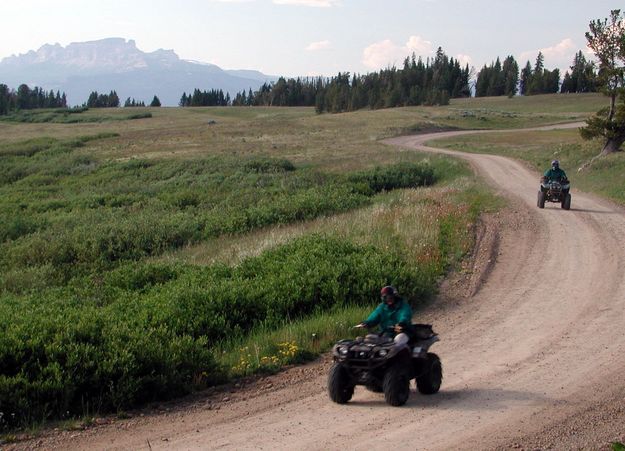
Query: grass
{"points": [[144, 259], [604, 176], [69, 116]]}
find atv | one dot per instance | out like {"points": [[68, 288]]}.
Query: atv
{"points": [[376, 362], [554, 191]]}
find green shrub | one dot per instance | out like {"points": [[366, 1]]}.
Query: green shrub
{"points": [[401, 175], [146, 331], [269, 165], [139, 116]]}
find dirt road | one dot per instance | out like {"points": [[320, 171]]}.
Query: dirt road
{"points": [[535, 359]]}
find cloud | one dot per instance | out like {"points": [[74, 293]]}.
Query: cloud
{"points": [[320, 45], [464, 59], [418, 45], [313, 3], [387, 53], [559, 55]]}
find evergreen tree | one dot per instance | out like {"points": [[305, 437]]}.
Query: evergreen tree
{"points": [[23, 97], [582, 77], [4, 99], [607, 41], [511, 76], [155, 102], [526, 77]]}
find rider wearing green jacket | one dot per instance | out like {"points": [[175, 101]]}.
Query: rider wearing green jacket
{"points": [[393, 316], [555, 172]]}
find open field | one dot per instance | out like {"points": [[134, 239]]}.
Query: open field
{"points": [[135, 252]]}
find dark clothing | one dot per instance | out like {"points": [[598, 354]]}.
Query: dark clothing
{"points": [[555, 174], [388, 316]]}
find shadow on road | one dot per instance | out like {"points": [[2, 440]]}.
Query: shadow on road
{"points": [[587, 210], [475, 399], [478, 399]]}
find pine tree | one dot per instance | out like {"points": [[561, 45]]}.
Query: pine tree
{"points": [[526, 79], [607, 41], [155, 102], [511, 76], [4, 99], [23, 97]]}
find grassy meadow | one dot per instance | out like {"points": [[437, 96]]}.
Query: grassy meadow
{"points": [[144, 257]]}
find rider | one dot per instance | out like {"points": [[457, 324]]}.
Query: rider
{"points": [[393, 315], [555, 173]]}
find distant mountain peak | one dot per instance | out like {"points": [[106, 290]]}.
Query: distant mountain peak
{"points": [[104, 55], [117, 64]]}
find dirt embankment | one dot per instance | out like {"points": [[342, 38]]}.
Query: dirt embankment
{"points": [[532, 343]]}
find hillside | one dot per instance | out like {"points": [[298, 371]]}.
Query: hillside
{"points": [[117, 64]]}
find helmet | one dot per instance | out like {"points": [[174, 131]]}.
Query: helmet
{"points": [[555, 164], [388, 294]]}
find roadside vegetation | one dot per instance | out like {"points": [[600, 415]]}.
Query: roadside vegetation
{"points": [[140, 260], [604, 176]]}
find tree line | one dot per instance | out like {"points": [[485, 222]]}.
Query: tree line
{"points": [[26, 98], [111, 100], [129, 103], [430, 82], [499, 79], [214, 97]]}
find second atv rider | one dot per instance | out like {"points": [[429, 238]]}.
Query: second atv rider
{"points": [[555, 173], [393, 316]]}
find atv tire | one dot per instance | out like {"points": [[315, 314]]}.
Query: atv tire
{"points": [[430, 381], [566, 202], [340, 387], [396, 385], [541, 199]]}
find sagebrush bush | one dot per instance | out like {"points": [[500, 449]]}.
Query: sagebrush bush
{"points": [[71, 211], [146, 331]]}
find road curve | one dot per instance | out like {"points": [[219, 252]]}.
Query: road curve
{"points": [[541, 340]]}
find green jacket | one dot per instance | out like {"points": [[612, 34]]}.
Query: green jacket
{"points": [[386, 317], [555, 174]]}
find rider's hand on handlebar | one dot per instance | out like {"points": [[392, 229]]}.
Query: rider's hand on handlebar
{"points": [[360, 326], [398, 329]]}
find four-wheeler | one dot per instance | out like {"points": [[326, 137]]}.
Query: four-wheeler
{"points": [[380, 365], [554, 191]]}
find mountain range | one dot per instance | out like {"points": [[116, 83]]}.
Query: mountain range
{"points": [[117, 64]]}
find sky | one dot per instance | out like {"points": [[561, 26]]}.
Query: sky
{"points": [[313, 37]]}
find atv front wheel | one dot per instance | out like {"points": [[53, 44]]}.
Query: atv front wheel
{"points": [[541, 199], [566, 202], [396, 385], [340, 387], [430, 381]]}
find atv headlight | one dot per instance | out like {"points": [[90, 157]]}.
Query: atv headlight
{"points": [[382, 352], [343, 350]]}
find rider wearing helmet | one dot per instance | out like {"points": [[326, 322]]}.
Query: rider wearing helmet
{"points": [[393, 316], [555, 173]]}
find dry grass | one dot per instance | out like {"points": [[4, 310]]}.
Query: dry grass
{"points": [[405, 218], [341, 141]]}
